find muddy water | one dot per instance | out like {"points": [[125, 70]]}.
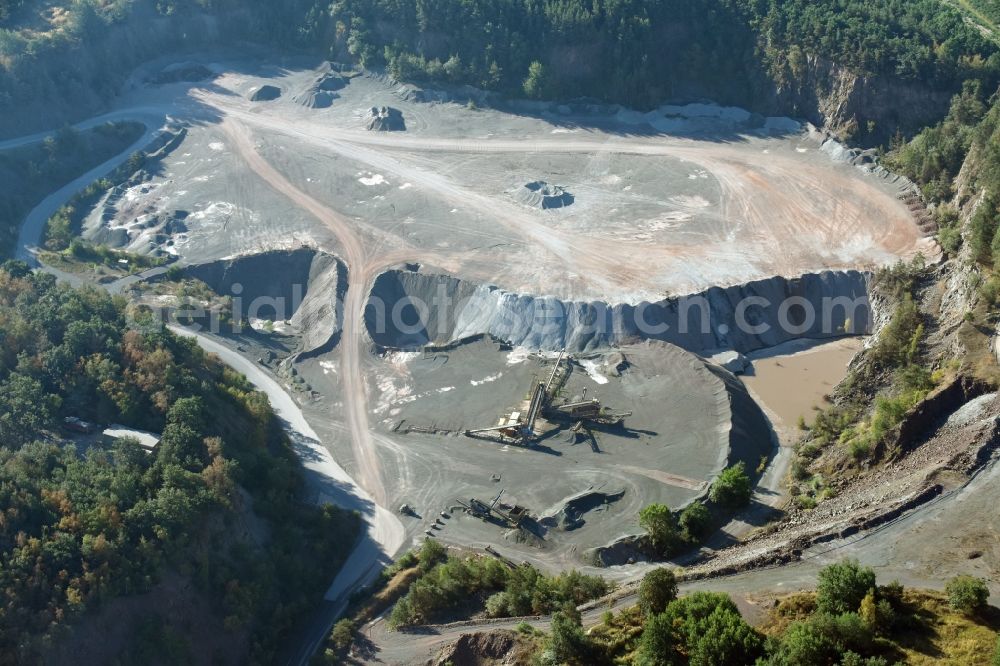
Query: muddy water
{"points": [[791, 379]]}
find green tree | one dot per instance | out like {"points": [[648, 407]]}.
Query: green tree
{"points": [[732, 487], [712, 631], [24, 409], [803, 644], [967, 594], [567, 643], [657, 645], [695, 521], [657, 589], [661, 528], [842, 587], [535, 85]]}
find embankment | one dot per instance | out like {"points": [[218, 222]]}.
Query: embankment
{"points": [[304, 287], [407, 310]]}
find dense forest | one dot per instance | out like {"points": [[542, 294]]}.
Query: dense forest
{"points": [[635, 52], [85, 521]]}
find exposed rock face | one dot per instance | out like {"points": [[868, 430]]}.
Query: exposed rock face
{"points": [[385, 119], [843, 101], [190, 72], [301, 286], [539, 194], [265, 93], [409, 310], [479, 649]]}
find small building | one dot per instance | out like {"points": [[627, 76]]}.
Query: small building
{"points": [[147, 440]]}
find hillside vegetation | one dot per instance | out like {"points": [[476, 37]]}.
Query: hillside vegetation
{"points": [[85, 521], [641, 53], [849, 620], [30, 173]]}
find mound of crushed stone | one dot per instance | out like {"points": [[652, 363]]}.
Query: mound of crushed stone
{"points": [[322, 91], [265, 93], [189, 72], [539, 194], [385, 119], [571, 515], [315, 99], [331, 81]]}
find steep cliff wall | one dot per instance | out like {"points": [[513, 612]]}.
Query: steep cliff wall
{"points": [[864, 108]]}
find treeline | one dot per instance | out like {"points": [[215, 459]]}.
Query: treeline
{"points": [[83, 523], [66, 69], [641, 53], [635, 52]]}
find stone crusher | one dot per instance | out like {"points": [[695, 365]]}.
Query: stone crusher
{"points": [[520, 426], [510, 515], [590, 411]]}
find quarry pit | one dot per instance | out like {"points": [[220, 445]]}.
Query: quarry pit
{"points": [[576, 229]]}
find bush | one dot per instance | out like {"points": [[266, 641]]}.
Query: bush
{"points": [[843, 586], [657, 590], [732, 488], [967, 594], [695, 521], [431, 552], [854, 659]]}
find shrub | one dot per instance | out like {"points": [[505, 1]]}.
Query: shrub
{"points": [[854, 659], [732, 488], [847, 631], [803, 643], [967, 594], [842, 586], [657, 590], [431, 552]]}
